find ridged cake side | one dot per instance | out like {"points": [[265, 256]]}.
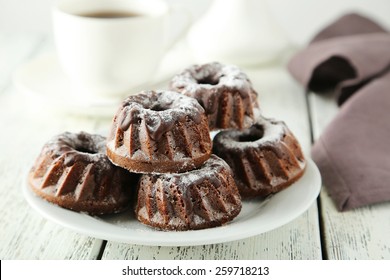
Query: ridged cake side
{"points": [[265, 158], [202, 198], [73, 171]]}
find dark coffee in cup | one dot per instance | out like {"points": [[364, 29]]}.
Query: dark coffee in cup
{"points": [[110, 14]]}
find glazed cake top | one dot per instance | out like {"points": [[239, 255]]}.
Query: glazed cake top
{"points": [[160, 110]]}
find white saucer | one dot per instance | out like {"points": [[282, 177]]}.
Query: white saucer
{"points": [[257, 216], [45, 84]]}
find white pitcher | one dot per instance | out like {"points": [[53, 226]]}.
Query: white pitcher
{"points": [[239, 32]]}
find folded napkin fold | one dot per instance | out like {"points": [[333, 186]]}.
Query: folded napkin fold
{"points": [[352, 57]]}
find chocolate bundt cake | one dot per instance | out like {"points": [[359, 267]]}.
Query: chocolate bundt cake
{"points": [[202, 198], [158, 132], [74, 172], [224, 91], [264, 158]]}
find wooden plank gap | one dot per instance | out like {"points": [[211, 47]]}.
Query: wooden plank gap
{"points": [[309, 115], [321, 223], [324, 252], [101, 251]]}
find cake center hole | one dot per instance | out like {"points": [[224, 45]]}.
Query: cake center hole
{"points": [[209, 80], [86, 150], [157, 107], [254, 135]]}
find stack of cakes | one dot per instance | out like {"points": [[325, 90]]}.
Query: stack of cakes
{"points": [[165, 136]]}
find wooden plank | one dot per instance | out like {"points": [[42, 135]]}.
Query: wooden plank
{"points": [[358, 234], [24, 233], [280, 98]]}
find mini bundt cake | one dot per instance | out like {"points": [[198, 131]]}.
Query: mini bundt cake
{"points": [[224, 91], [73, 171], [159, 132], [201, 198], [264, 158]]}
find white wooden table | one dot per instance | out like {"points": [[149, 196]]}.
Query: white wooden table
{"points": [[320, 233]]}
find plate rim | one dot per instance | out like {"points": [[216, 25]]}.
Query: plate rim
{"points": [[219, 234]]}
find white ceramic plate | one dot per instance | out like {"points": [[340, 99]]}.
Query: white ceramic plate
{"points": [[257, 216]]}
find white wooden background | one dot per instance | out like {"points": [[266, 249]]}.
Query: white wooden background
{"points": [[320, 233]]}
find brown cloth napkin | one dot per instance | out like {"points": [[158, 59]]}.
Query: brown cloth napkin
{"points": [[344, 56], [352, 56]]}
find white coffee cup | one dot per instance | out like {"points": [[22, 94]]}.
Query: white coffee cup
{"points": [[107, 47]]}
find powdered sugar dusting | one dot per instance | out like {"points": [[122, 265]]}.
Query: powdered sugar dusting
{"points": [[218, 75], [208, 170], [160, 110], [272, 131], [80, 146]]}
